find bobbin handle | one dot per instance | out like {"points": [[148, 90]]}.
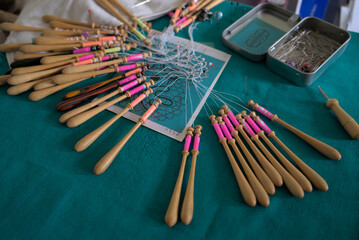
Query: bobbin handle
{"points": [[11, 47], [54, 59], [23, 56], [314, 177], [122, 8], [3, 79], [89, 67], [84, 116], [65, 117], [44, 48], [348, 123], [49, 18], [187, 205], [106, 160], [19, 79], [17, 89], [40, 94], [8, 27], [36, 68], [322, 147], [53, 41], [51, 32], [87, 140], [246, 190], [58, 24], [65, 78], [172, 210]]}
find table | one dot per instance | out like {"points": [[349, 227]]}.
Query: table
{"points": [[48, 190]]}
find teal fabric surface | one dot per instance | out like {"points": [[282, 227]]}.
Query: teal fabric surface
{"points": [[48, 190]]}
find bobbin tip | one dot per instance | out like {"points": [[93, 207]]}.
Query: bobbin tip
{"points": [[190, 129], [150, 90], [152, 82], [252, 114], [250, 102], [198, 127], [159, 101], [224, 107], [219, 119], [221, 111], [256, 118], [244, 113], [239, 117], [212, 117]]}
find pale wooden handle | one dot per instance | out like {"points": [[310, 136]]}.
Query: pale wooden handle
{"points": [[314, 177], [40, 94], [292, 185], [44, 84], [53, 41], [83, 117], [106, 160], [261, 175], [86, 141], [324, 148], [65, 78], [57, 24], [51, 32], [3, 79], [172, 210], [54, 59], [66, 116], [11, 47], [49, 18], [213, 4], [348, 123], [8, 27], [122, 8], [44, 48], [23, 70], [24, 56], [246, 190], [19, 79], [15, 90], [89, 67], [108, 7], [258, 189], [187, 205]]}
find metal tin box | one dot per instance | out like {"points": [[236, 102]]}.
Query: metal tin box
{"points": [[266, 28], [256, 31], [299, 77]]}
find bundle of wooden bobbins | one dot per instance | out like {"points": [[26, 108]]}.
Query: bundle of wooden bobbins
{"points": [[259, 180], [188, 11]]}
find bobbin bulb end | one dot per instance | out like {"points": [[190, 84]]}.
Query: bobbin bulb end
{"points": [[224, 107], [198, 127], [152, 82], [252, 114], [159, 101], [221, 112], [212, 117], [250, 103], [244, 113]]}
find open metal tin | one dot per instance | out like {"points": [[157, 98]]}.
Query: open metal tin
{"points": [[263, 30]]}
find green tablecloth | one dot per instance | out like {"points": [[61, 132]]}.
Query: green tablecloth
{"points": [[48, 190]]}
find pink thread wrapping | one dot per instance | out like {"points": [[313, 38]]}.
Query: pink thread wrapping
{"points": [[137, 89], [107, 38], [135, 57], [229, 124], [128, 79], [84, 62], [105, 58], [149, 112], [181, 21], [263, 126], [137, 100], [129, 85], [84, 57], [233, 119], [226, 131], [264, 111], [126, 67], [187, 143], [248, 129], [253, 124], [218, 130], [82, 50], [196, 142]]}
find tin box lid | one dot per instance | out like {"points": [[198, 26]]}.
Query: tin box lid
{"points": [[260, 28]]}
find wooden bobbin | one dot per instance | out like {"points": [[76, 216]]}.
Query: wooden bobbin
{"points": [[8, 27], [27, 77], [11, 47], [37, 68], [188, 205], [3, 79], [18, 89], [322, 147], [24, 56], [258, 189], [172, 210], [106, 160], [247, 193]]}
